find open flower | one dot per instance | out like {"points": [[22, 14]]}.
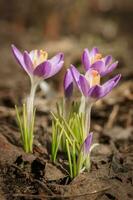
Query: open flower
{"points": [[95, 67], [89, 84], [38, 67], [37, 64], [95, 61]]}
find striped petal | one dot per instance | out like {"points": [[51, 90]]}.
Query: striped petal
{"points": [[109, 69], [57, 59], [56, 64], [43, 70], [76, 75], [100, 91], [94, 51], [20, 58], [68, 84], [87, 144], [28, 62], [84, 85], [86, 60], [108, 59], [99, 66]]}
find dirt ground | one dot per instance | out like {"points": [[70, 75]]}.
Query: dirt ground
{"points": [[33, 176]]}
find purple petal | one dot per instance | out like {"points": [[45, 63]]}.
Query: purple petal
{"points": [[68, 84], [84, 85], [56, 64], [108, 60], [100, 91], [43, 70], [99, 66], [94, 51], [57, 59], [86, 59], [87, 144], [28, 62], [19, 57], [109, 68], [55, 69], [76, 75]]}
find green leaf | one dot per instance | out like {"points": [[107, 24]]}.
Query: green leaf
{"points": [[69, 158]]}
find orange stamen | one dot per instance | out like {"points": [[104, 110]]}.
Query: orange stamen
{"points": [[94, 73], [98, 56], [39, 58], [95, 78]]}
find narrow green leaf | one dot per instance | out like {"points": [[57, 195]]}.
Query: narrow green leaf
{"points": [[69, 158], [19, 122], [74, 160], [57, 146], [62, 127]]}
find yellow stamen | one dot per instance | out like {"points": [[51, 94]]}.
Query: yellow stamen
{"points": [[39, 57], [43, 55], [95, 78], [94, 73], [97, 57]]}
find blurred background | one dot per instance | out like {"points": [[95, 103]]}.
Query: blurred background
{"points": [[63, 25]]}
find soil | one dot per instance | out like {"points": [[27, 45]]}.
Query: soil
{"points": [[33, 176]]}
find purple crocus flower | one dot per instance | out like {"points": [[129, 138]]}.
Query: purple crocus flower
{"points": [[89, 84], [38, 67], [37, 64], [93, 60]]}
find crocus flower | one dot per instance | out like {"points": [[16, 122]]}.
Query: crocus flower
{"points": [[91, 90], [93, 60], [38, 67], [37, 64], [89, 84], [95, 67]]}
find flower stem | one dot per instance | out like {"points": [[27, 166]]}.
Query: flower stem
{"points": [[82, 104], [31, 115], [88, 163], [30, 104], [87, 118]]}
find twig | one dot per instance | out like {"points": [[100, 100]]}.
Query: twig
{"points": [[61, 196], [129, 118], [17, 167], [112, 117], [45, 187]]}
